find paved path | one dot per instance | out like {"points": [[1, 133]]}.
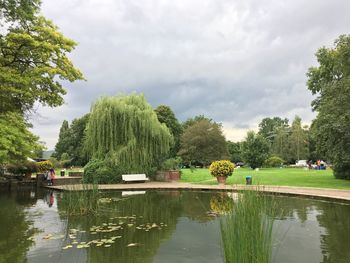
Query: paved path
{"points": [[322, 193]]}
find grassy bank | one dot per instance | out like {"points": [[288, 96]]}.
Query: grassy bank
{"points": [[272, 176]]}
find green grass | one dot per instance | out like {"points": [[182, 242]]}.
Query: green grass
{"points": [[272, 176]]}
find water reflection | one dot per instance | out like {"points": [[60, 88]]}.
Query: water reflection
{"points": [[165, 226]]}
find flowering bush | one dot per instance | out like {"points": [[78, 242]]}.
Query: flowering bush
{"points": [[44, 166], [221, 168]]}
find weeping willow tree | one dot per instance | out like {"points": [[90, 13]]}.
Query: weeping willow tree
{"points": [[125, 130]]}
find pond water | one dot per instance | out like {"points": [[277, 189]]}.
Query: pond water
{"points": [[159, 226]]}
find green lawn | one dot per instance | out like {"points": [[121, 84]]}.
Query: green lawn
{"points": [[271, 176]]}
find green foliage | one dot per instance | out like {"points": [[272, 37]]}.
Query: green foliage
{"points": [[247, 229], [235, 151], [274, 161], [221, 168], [81, 202], [22, 168], [268, 127], [299, 146], [102, 172], [255, 150], [331, 82], [166, 115], [44, 166], [203, 142], [16, 141], [190, 121], [172, 164], [71, 142], [33, 57], [125, 130]]}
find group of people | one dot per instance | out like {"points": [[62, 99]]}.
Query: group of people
{"points": [[319, 165]]}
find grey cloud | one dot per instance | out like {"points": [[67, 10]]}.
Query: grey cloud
{"points": [[234, 61]]}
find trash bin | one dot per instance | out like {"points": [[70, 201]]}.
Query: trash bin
{"points": [[62, 172], [248, 179]]}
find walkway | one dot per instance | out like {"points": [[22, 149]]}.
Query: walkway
{"points": [[322, 193]]}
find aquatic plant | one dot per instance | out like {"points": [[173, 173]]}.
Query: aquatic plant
{"points": [[247, 229], [81, 201]]}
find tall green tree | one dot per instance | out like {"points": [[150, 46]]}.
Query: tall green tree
{"points": [[268, 127], [255, 149], [166, 115], [126, 130], [71, 141], [280, 144], [33, 57], [299, 145], [203, 142], [33, 62], [190, 121], [330, 81], [235, 151]]}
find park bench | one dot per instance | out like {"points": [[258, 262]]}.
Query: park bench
{"points": [[134, 177]]}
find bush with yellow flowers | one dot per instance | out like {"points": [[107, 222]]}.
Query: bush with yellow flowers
{"points": [[44, 166], [221, 168]]}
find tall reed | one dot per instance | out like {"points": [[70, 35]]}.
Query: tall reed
{"points": [[247, 229], [81, 202]]}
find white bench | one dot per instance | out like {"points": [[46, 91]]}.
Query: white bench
{"points": [[134, 177]]}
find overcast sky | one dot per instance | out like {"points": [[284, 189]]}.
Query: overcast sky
{"points": [[231, 60]]}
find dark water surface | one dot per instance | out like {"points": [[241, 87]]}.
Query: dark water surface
{"points": [[163, 226]]}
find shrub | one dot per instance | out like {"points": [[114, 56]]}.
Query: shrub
{"points": [[44, 166], [102, 172], [274, 161], [172, 164], [221, 168], [22, 168], [341, 170]]}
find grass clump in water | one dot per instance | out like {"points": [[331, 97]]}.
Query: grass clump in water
{"points": [[247, 229], [81, 202]]}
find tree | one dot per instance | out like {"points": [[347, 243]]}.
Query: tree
{"points": [[203, 142], [190, 121], [16, 141], [166, 115], [64, 141], [235, 151], [33, 57], [255, 149], [126, 131], [71, 141], [330, 81], [299, 145], [268, 127], [33, 60], [280, 144]]}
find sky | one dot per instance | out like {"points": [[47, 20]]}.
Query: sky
{"points": [[234, 61]]}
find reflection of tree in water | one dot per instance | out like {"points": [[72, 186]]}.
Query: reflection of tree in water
{"points": [[333, 217], [153, 207], [15, 229], [335, 242]]}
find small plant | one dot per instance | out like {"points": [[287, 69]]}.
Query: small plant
{"points": [[221, 168], [172, 164]]}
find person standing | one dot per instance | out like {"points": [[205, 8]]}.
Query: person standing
{"points": [[50, 176]]}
